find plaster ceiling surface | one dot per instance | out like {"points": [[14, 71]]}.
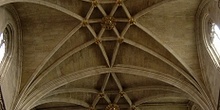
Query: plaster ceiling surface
{"points": [[87, 54]]}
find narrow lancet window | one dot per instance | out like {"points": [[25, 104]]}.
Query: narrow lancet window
{"points": [[2, 46], [215, 40]]}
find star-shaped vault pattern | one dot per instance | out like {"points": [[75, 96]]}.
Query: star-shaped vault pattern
{"points": [[99, 38], [108, 21], [121, 93], [105, 20]]}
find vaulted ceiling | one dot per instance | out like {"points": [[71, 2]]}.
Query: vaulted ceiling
{"points": [[87, 54]]}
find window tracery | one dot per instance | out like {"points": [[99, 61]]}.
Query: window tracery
{"points": [[2, 46], [6, 42], [213, 42], [215, 39]]}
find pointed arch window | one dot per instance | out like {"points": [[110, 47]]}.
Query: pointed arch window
{"points": [[213, 41], [2, 46]]}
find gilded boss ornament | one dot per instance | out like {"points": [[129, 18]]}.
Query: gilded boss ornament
{"points": [[108, 22], [112, 107]]}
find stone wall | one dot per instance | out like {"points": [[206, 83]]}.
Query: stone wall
{"points": [[208, 11], [2, 104], [10, 64]]}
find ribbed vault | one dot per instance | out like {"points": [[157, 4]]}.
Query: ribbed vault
{"points": [[87, 54]]}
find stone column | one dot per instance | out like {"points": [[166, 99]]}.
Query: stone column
{"points": [[2, 106]]}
